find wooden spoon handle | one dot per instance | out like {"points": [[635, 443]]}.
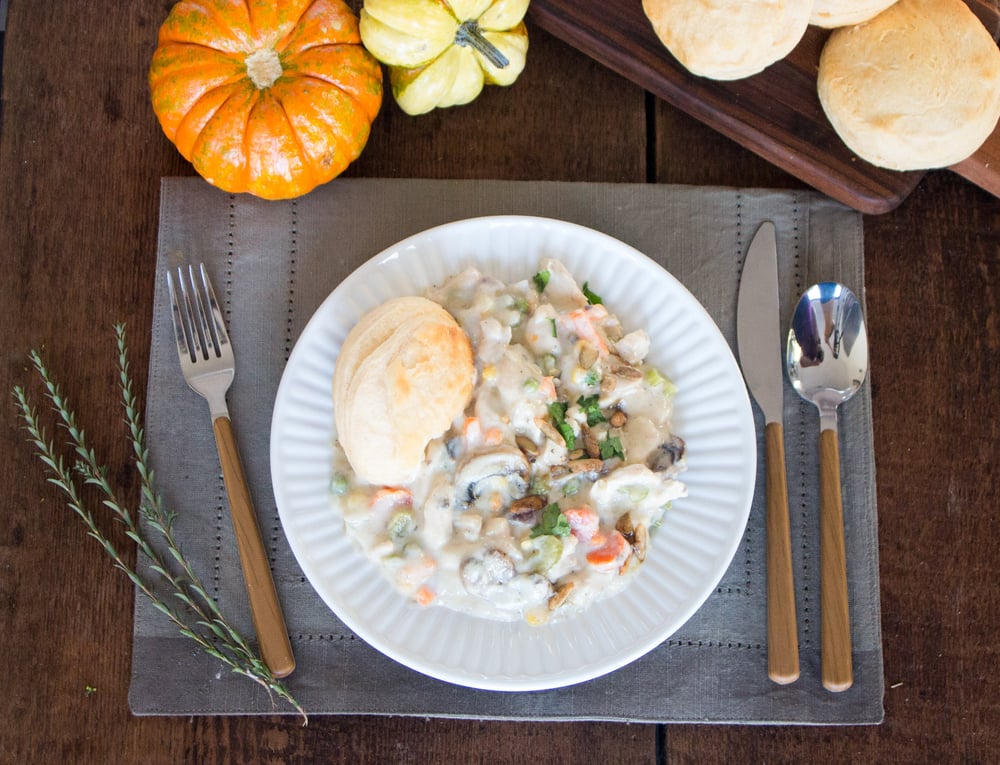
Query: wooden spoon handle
{"points": [[782, 630], [835, 623], [268, 620]]}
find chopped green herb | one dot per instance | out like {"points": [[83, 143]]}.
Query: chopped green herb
{"points": [[589, 406], [592, 378], [566, 431], [541, 280], [553, 522], [557, 411], [571, 487], [521, 305], [611, 447], [554, 332], [531, 384], [592, 298]]}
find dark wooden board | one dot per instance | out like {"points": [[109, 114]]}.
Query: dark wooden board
{"points": [[775, 114]]}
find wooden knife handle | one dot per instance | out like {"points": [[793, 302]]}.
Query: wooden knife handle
{"points": [[782, 630], [835, 623], [272, 636]]}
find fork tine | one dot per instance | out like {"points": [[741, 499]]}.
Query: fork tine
{"points": [[182, 330], [193, 318], [207, 343], [219, 335]]}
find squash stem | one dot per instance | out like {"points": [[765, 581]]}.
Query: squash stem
{"points": [[469, 34]]}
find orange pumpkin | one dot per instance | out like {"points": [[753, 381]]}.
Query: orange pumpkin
{"points": [[271, 97]]}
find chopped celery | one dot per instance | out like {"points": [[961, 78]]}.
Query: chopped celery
{"points": [[654, 379], [545, 552], [338, 484], [635, 493]]}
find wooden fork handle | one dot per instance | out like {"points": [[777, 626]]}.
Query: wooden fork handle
{"points": [[272, 636], [782, 630], [835, 623]]}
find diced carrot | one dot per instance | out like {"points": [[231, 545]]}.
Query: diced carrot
{"points": [[472, 430], [391, 495], [607, 555], [414, 573], [548, 387], [584, 324], [425, 595], [583, 522], [493, 436]]}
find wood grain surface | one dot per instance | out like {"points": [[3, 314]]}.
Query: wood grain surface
{"points": [[776, 113], [81, 157]]}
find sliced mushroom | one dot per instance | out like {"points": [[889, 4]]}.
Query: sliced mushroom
{"points": [[627, 372], [585, 466], [668, 454], [640, 542], [528, 446], [560, 595], [526, 509], [590, 444], [506, 467], [548, 429], [625, 527]]}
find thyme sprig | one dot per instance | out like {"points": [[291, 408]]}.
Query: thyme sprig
{"points": [[197, 615]]}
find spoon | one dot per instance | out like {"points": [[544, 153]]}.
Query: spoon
{"points": [[827, 361]]}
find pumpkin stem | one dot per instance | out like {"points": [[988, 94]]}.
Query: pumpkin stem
{"points": [[469, 34], [263, 67]]}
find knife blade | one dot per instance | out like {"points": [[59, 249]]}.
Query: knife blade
{"points": [[759, 341]]}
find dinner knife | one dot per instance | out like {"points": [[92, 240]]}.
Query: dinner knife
{"points": [[758, 337]]}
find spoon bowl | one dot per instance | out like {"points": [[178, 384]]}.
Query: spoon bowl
{"points": [[827, 348], [827, 361]]}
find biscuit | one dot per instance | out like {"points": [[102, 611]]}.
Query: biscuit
{"points": [[404, 373], [841, 13], [728, 39], [915, 88]]}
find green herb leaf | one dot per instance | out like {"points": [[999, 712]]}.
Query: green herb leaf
{"points": [[554, 332], [553, 522], [557, 411], [566, 431], [541, 280], [592, 297], [589, 406], [611, 447]]}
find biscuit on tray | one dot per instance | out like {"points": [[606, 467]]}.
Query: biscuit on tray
{"points": [[916, 87], [731, 39]]}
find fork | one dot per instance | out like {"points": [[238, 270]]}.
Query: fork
{"points": [[208, 364]]}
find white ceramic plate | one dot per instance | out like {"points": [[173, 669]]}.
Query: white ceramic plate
{"points": [[689, 553]]}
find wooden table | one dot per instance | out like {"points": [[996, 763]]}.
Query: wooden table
{"points": [[81, 156]]}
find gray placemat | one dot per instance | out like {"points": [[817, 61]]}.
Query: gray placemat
{"points": [[274, 262]]}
